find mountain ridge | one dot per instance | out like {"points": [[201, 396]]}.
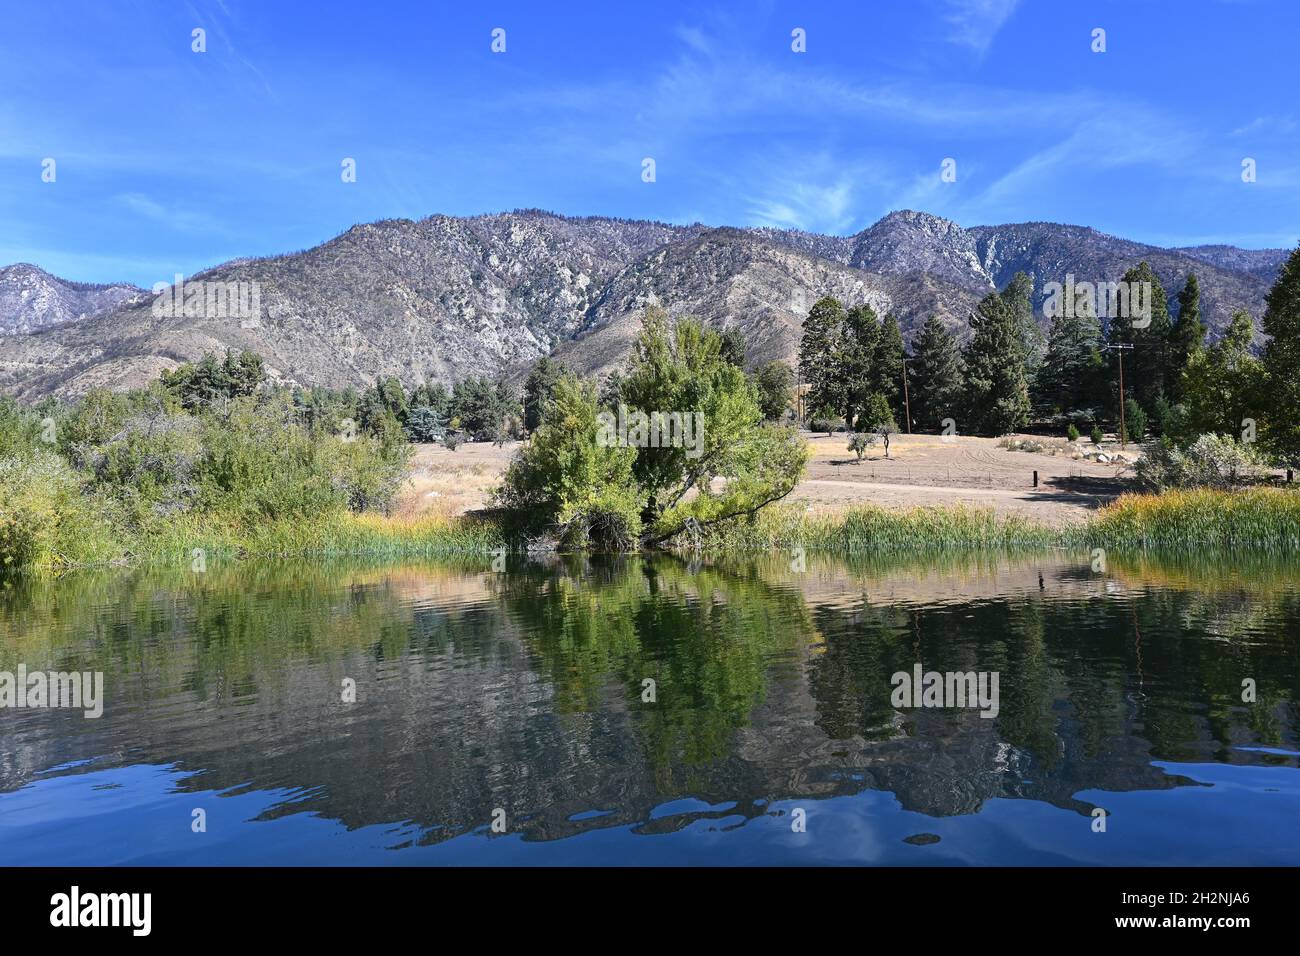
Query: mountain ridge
{"points": [[444, 297]]}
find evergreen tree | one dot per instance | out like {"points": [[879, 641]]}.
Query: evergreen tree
{"points": [[858, 356], [538, 387], [1148, 366], [887, 365], [1188, 336], [1281, 363], [1072, 371], [821, 358], [1221, 384], [774, 382], [996, 390], [733, 346], [1018, 296], [935, 374]]}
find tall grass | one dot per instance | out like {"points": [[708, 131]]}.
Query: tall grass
{"points": [[1261, 519]]}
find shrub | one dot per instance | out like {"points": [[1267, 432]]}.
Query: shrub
{"points": [[1212, 461], [1135, 421], [1072, 432], [860, 442], [1098, 436]]}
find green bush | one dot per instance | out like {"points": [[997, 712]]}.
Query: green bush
{"points": [[1135, 421], [1072, 432], [1098, 436], [1212, 461]]}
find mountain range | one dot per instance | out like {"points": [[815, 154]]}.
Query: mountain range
{"points": [[447, 297]]}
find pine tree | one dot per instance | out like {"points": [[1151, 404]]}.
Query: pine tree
{"points": [[1188, 336], [1221, 383], [821, 357], [1072, 368], [858, 356], [935, 376], [1018, 296], [995, 370], [1147, 366], [887, 365], [1281, 363]]}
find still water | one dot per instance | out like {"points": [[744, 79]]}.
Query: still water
{"points": [[658, 711]]}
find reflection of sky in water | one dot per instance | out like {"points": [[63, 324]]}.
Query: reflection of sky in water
{"points": [[523, 691], [137, 816]]}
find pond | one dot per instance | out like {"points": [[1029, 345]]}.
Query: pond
{"points": [[659, 710]]}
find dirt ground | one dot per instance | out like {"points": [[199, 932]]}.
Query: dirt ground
{"points": [[920, 470]]}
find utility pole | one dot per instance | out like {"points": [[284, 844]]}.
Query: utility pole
{"points": [[1123, 431]]}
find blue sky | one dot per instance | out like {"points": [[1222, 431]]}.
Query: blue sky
{"points": [[170, 160]]}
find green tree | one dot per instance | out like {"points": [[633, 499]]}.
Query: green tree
{"points": [[887, 364], [1019, 296], [1187, 337], [1071, 375], [734, 348], [774, 382], [1281, 363], [538, 387], [821, 358], [1221, 384], [936, 386], [1148, 367], [996, 389]]}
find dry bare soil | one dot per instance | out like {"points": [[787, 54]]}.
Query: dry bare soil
{"points": [[921, 470]]}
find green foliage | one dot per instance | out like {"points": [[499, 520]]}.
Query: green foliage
{"points": [[209, 382], [1221, 385], [936, 390], [1188, 335], [860, 443], [568, 483], [774, 383], [577, 477], [996, 387], [1098, 436], [423, 424], [1072, 432], [821, 357], [483, 407], [1135, 421], [886, 373], [1149, 367], [1073, 372], [1211, 461], [538, 388], [1281, 363], [734, 348]]}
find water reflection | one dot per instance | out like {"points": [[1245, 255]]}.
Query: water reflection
{"points": [[607, 704]]}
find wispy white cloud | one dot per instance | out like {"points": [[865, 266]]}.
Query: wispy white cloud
{"points": [[975, 23]]}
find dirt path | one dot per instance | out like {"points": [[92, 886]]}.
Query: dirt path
{"points": [[921, 470]]}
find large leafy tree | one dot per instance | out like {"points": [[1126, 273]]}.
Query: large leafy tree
{"points": [[997, 392], [1281, 362], [935, 372], [1220, 386], [735, 466]]}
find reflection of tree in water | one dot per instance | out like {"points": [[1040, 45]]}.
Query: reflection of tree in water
{"points": [[524, 690]]}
